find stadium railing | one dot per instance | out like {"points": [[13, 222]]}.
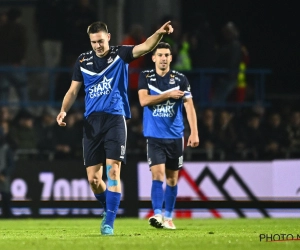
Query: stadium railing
{"points": [[200, 80]]}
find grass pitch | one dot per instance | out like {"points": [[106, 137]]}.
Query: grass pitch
{"points": [[83, 234]]}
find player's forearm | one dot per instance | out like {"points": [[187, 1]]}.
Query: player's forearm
{"points": [[153, 40], [68, 101], [192, 119], [147, 46], [150, 100]]}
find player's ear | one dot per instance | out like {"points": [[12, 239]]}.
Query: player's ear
{"points": [[108, 37], [153, 58], [171, 58]]}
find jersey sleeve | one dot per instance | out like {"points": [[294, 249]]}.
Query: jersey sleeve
{"points": [[142, 81], [125, 52], [186, 87], [77, 75]]}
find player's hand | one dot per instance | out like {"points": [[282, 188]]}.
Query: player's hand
{"points": [[193, 141], [166, 28], [60, 118], [176, 94]]}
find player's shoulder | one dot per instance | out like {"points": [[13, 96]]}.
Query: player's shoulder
{"points": [[148, 72], [178, 76], [118, 48], [85, 56], [177, 73]]}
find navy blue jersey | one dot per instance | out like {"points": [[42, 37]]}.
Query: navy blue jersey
{"points": [[105, 80], [164, 120]]}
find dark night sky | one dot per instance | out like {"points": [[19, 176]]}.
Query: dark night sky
{"points": [[268, 29]]}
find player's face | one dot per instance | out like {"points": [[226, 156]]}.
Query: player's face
{"points": [[162, 59], [99, 42]]}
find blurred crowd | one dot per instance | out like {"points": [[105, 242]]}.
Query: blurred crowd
{"points": [[249, 134], [60, 27], [253, 133]]}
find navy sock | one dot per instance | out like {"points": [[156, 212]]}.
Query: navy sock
{"points": [[112, 206], [102, 199], [170, 199], [157, 196]]}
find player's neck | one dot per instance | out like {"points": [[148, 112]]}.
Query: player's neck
{"points": [[162, 72]]}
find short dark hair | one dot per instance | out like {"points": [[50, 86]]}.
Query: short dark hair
{"points": [[97, 27], [162, 45]]}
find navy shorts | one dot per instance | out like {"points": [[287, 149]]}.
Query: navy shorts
{"points": [[165, 151], [104, 137]]}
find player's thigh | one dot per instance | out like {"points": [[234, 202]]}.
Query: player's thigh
{"points": [[115, 140], [174, 151], [93, 142], [156, 154]]}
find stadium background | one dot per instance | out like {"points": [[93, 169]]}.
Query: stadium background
{"points": [[268, 30]]}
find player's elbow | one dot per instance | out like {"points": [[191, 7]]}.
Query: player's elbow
{"points": [[143, 103]]}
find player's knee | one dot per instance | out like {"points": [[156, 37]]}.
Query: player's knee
{"points": [[172, 181], [94, 182], [158, 176]]}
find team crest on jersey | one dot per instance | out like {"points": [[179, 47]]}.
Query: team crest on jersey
{"points": [[172, 79], [101, 88], [164, 110]]}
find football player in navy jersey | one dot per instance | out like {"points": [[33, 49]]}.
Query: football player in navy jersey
{"points": [[163, 93], [103, 71]]}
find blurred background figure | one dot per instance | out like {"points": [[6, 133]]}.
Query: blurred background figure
{"points": [[136, 143], [13, 44], [46, 126], [69, 138], [229, 56], [6, 169], [50, 28], [49, 20], [293, 130], [24, 134], [135, 37], [79, 15], [276, 138], [250, 138], [208, 133]]}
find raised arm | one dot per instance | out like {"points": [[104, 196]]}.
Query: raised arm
{"points": [[152, 41], [68, 101]]}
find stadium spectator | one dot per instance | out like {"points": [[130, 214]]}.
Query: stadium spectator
{"points": [[79, 15], [5, 124], [135, 36], [180, 45], [209, 135], [163, 93], [50, 25], [293, 130], [13, 44], [136, 144], [250, 139], [228, 58], [46, 133], [226, 133], [276, 138], [68, 139], [24, 133], [7, 166]]}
